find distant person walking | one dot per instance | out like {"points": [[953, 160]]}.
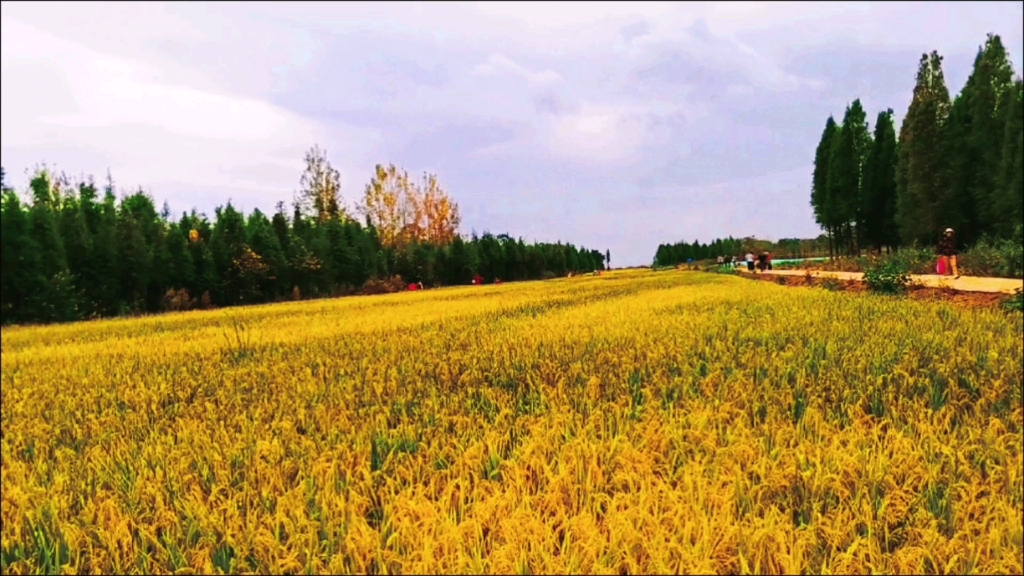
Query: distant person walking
{"points": [[762, 261], [947, 253], [768, 259], [721, 261], [750, 262]]}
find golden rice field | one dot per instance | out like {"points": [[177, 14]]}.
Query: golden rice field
{"points": [[637, 422]]}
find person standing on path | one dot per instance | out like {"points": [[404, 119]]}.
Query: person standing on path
{"points": [[750, 262], [947, 252]]}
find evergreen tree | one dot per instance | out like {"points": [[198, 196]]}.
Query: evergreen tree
{"points": [[819, 181], [228, 245], [920, 167], [572, 259], [342, 258], [459, 271], [205, 279], [954, 204], [54, 299], [133, 261], [844, 173], [280, 224], [361, 251], [878, 192], [441, 266], [43, 225], [160, 278], [421, 263], [1008, 199], [321, 275], [264, 241], [107, 292], [20, 274], [992, 87], [77, 242], [181, 270], [974, 145]]}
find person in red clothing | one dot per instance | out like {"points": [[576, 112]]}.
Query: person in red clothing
{"points": [[947, 252]]}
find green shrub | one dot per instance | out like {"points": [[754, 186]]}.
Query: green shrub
{"points": [[1000, 258], [888, 277], [1015, 302], [912, 260]]}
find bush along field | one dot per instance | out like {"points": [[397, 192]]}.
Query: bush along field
{"points": [[992, 258], [636, 422]]}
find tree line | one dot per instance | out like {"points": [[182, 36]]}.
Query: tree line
{"points": [[72, 251], [681, 252], [954, 164]]}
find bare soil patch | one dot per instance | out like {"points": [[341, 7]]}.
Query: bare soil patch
{"points": [[916, 292]]}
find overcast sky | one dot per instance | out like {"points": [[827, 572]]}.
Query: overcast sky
{"points": [[614, 126]]}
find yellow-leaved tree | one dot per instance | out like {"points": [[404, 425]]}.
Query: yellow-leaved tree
{"points": [[320, 187], [440, 213], [404, 211]]}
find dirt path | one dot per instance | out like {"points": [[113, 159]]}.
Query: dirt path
{"points": [[962, 284]]}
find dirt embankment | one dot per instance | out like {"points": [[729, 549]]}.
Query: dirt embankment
{"points": [[917, 292]]}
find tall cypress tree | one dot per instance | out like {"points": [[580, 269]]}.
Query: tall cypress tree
{"points": [[992, 93], [819, 182], [920, 167], [975, 144], [860, 137], [844, 173], [955, 203], [1009, 196], [878, 192]]}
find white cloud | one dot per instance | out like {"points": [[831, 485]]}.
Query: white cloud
{"points": [[598, 133], [497, 65], [148, 131]]}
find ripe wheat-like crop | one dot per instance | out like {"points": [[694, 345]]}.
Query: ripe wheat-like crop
{"points": [[636, 422]]}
